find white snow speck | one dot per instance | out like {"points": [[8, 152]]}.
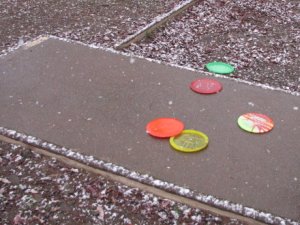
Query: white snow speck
{"points": [[197, 218], [5, 181], [295, 108], [132, 60], [170, 103], [175, 214], [75, 170], [295, 179], [251, 104], [20, 42], [89, 119], [163, 215]]}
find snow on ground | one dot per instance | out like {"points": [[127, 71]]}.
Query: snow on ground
{"points": [[260, 38], [35, 189], [95, 22], [144, 178]]}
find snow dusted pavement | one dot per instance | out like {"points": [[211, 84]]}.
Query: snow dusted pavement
{"points": [[260, 38], [98, 103]]}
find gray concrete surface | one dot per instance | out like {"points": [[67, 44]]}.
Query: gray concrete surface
{"points": [[99, 103]]}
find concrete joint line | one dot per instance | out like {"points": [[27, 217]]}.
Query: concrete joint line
{"points": [[155, 24], [144, 181]]}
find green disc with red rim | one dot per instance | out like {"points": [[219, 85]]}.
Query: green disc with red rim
{"points": [[164, 127], [255, 123], [206, 86], [189, 141], [219, 67]]}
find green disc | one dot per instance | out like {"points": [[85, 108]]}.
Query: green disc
{"points": [[219, 67], [189, 141]]}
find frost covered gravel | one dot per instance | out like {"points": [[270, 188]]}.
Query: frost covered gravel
{"points": [[95, 22], [35, 189], [147, 179], [260, 38]]}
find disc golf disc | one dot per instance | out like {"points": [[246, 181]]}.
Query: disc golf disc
{"points": [[255, 123], [206, 86], [189, 141], [164, 127], [219, 67]]}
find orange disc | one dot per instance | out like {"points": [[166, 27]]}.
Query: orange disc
{"points": [[164, 127]]}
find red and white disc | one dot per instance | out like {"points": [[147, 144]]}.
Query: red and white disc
{"points": [[255, 123]]}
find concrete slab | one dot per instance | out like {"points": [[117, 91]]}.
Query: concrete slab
{"points": [[99, 103]]}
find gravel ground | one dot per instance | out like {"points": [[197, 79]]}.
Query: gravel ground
{"points": [[35, 189], [96, 22], [260, 38]]}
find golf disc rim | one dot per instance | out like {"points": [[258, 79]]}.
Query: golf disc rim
{"points": [[206, 86], [164, 127], [255, 123], [189, 150], [214, 67]]}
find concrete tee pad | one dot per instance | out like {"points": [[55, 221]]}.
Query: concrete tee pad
{"points": [[99, 103]]}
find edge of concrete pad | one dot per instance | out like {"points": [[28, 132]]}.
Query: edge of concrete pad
{"points": [[26, 45], [200, 70], [132, 183], [145, 181], [41, 38]]}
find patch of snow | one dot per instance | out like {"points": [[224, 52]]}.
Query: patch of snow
{"points": [[163, 215], [251, 104], [132, 60]]}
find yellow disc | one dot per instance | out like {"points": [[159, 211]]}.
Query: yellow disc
{"points": [[189, 141]]}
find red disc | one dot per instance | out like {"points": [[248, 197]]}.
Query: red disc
{"points": [[164, 127], [206, 86]]}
